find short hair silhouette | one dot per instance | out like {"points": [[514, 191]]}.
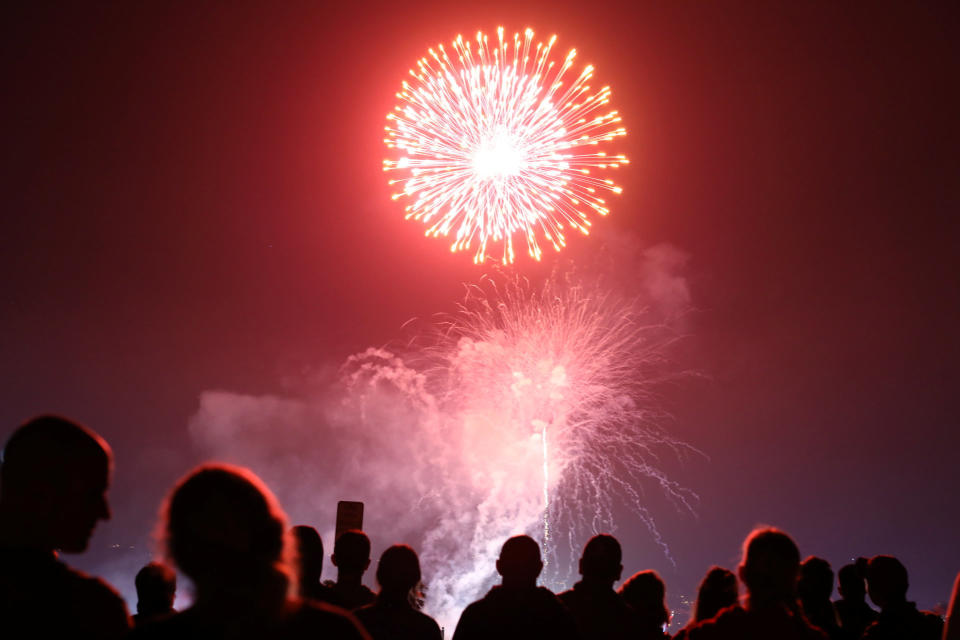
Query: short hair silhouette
{"points": [[601, 558], [53, 478], [816, 579], [850, 582], [814, 589], [854, 614], [309, 551], [887, 584], [398, 571], [887, 580], [718, 590], [646, 592], [520, 559], [770, 566], [156, 585], [351, 551], [222, 526], [351, 556]]}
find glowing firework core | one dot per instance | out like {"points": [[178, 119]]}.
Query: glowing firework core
{"points": [[498, 157], [495, 141]]}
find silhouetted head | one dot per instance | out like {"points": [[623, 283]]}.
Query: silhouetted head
{"points": [[887, 581], [351, 552], [309, 553], [850, 583], [816, 580], [647, 594], [770, 567], [53, 482], [519, 562], [224, 529], [601, 559], [156, 589], [717, 591], [398, 571]]}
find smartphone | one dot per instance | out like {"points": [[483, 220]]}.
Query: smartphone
{"points": [[349, 516]]}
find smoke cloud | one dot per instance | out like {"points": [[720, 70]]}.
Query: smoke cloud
{"points": [[530, 410], [663, 280]]}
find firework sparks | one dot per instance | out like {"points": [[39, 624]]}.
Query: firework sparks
{"points": [[494, 141], [533, 408], [516, 369]]}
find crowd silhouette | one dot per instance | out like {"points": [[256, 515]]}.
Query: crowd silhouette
{"points": [[256, 577]]}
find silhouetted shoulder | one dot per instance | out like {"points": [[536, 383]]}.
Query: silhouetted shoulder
{"points": [[96, 602], [397, 623], [180, 625], [917, 625], [506, 613], [932, 623], [318, 592], [737, 623], [347, 597], [469, 625], [336, 622], [725, 623], [305, 620], [32, 582], [600, 613]]}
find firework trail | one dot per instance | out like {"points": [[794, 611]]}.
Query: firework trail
{"points": [[493, 140], [539, 410]]}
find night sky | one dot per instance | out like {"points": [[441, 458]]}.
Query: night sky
{"points": [[193, 200]]}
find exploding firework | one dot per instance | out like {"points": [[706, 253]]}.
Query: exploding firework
{"points": [[538, 407], [494, 140]]}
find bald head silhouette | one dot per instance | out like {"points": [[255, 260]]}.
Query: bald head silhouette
{"points": [[53, 483], [519, 563], [601, 560]]}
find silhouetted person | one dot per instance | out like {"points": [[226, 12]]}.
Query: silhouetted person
{"points": [[646, 593], [53, 490], [517, 608], [887, 585], [223, 529], [952, 631], [769, 571], [351, 557], [852, 608], [156, 590], [596, 608], [717, 591], [814, 590], [310, 563], [395, 615]]}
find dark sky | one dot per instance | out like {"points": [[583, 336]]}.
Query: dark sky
{"points": [[193, 199]]}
